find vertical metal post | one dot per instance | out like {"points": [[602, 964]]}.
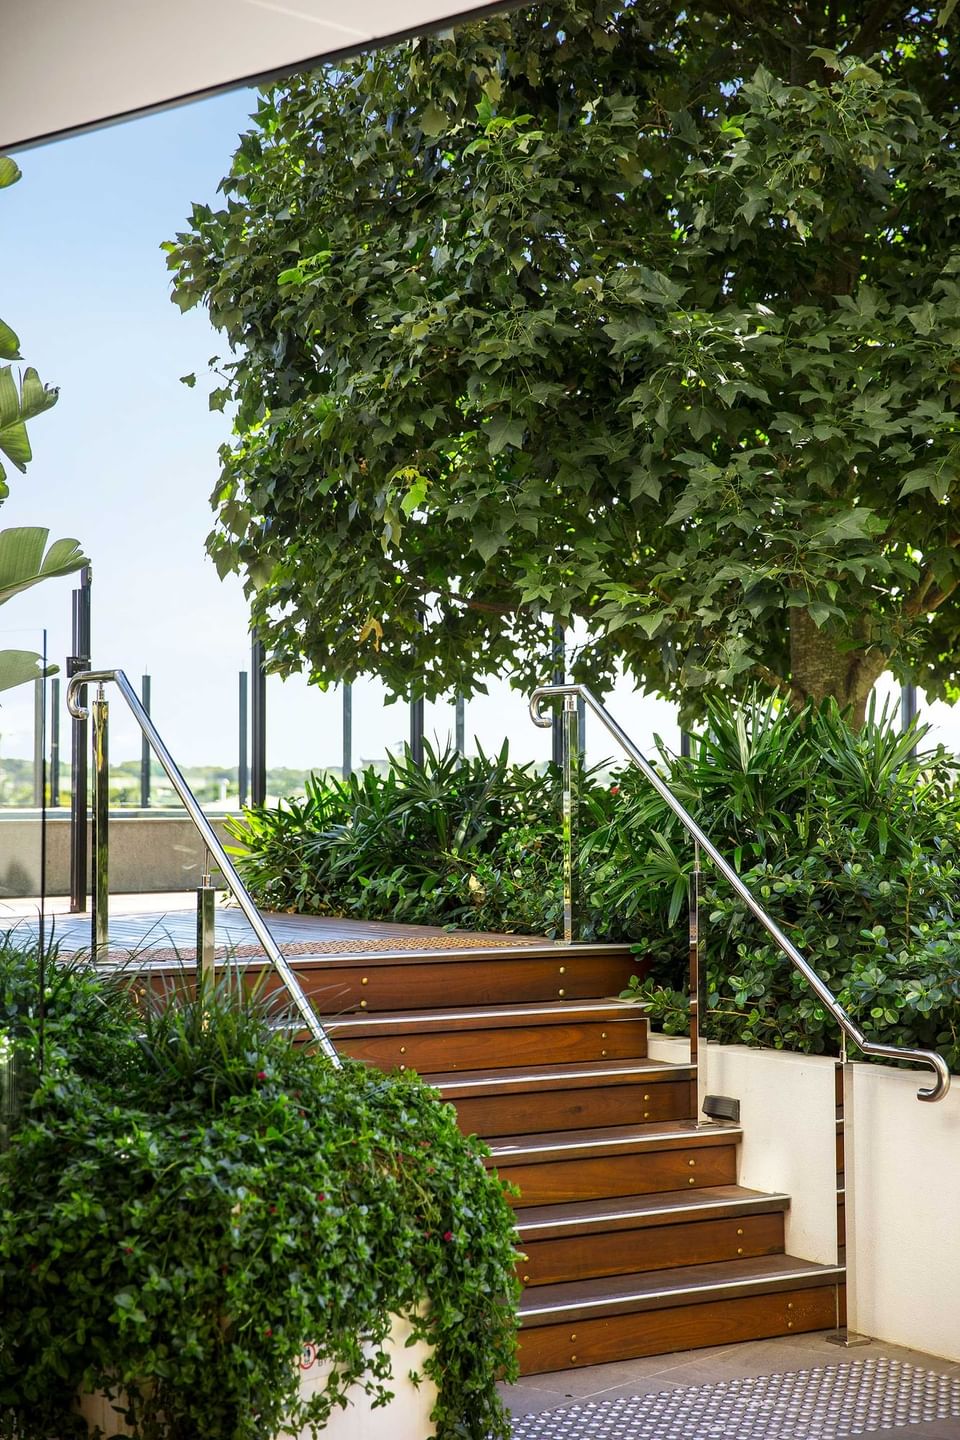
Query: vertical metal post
{"points": [[570, 742], [582, 726], [243, 773], [416, 729], [38, 699], [100, 910], [258, 724], [76, 663], [559, 678], [908, 710], [145, 747], [685, 750], [206, 928], [54, 742], [698, 993], [460, 725], [346, 768]]}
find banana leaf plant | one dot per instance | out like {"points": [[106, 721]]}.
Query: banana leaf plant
{"points": [[25, 559]]}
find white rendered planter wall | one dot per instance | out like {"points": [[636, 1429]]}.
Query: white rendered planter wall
{"points": [[903, 1210], [902, 1180], [407, 1417]]}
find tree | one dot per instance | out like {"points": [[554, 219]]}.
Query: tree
{"points": [[25, 559], [610, 313]]}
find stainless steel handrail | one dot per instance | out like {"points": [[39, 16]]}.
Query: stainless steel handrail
{"points": [[210, 839], [849, 1027]]}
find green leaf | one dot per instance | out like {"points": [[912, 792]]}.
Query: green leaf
{"points": [[23, 563], [18, 667], [434, 121], [504, 429], [9, 343], [9, 171]]}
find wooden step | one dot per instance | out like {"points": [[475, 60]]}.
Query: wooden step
{"points": [[566, 1097], [567, 1166], [418, 980], [647, 1232], [590, 1322], [441, 1041]]}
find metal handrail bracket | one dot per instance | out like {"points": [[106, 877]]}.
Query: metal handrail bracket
{"points": [[210, 838], [545, 693]]}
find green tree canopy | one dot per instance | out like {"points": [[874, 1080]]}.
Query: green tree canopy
{"points": [[612, 313]]}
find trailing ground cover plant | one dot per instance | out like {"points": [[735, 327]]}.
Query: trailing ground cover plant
{"points": [[850, 841], [176, 1223], [472, 842]]}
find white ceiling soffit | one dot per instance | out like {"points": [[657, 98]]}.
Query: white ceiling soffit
{"points": [[68, 65]]}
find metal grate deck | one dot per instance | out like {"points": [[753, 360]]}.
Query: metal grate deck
{"points": [[830, 1402]]}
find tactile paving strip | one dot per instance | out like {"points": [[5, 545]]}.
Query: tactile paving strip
{"points": [[830, 1402]]}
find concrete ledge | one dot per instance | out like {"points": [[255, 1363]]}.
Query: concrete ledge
{"points": [[149, 852]]}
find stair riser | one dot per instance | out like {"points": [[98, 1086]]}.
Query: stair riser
{"points": [[495, 980], [654, 1247], [436, 1053], [559, 1181], [682, 1327], [575, 1109]]}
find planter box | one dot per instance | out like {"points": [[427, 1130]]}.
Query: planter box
{"points": [[407, 1417]]}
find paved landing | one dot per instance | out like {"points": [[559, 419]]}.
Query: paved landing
{"points": [[798, 1388]]}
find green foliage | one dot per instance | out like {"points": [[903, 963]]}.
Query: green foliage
{"points": [[850, 843], [177, 1224], [23, 562], [471, 842], [644, 316]]}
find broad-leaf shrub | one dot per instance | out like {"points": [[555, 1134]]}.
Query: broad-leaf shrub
{"points": [[849, 840], [178, 1225], [471, 842]]}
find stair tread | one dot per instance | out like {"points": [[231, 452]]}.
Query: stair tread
{"points": [[584, 1217], [487, 1017], [576, 1075], [610, 1140], [686, 1284]]}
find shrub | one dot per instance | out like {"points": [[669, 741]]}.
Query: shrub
{"points": [[471, 842], [178, 1225], [852, 844]]}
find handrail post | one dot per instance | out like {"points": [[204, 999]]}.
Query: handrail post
{"points": [[212, 840], [100, 909], [698, 993], [206, 927], [571, 813]]}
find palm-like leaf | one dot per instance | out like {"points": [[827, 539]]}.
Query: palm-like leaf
{"points": [[23, 562]]}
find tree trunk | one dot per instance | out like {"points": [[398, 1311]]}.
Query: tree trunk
{"points": [[818, 669]]}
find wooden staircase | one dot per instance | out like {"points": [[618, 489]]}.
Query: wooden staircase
{"points": [[636, 1238]]}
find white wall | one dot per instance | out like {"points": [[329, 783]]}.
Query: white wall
{"points": [[903, 1211]]}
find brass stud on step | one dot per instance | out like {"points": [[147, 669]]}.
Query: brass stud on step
{"points": [[403, 1049], [573, 1359], [602, 1053], [365, 980], [739, 1249], [561, 993], [563, 969], [363, 1004], [739, 1232], [646, 1097], [526, 1279], [603, 1034], [573, 1336], [692, 1180], [691, 1162]]}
